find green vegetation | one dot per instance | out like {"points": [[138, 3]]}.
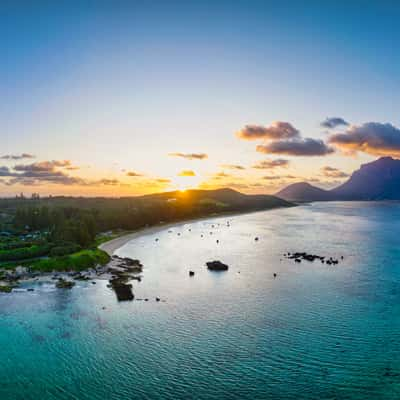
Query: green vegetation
{"points": [[62, 233], [6, 288], [82, 260], [24, 253]]}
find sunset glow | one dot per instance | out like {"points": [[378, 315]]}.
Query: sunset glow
{"points": [[129, 112]]}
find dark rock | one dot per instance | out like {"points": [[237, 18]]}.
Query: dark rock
{"points": [[217, 266], [132, 262], [191, 273], [123, 291], [64, 284], [81, 277], [135, 269], [158, 299], [310, 257]]}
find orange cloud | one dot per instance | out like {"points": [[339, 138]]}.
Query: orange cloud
{"points": [[232, 166], [187, 172], [269, 164], [190, 156], [133, 174]]}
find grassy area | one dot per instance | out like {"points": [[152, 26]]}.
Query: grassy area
{"points": [[79, 261]]}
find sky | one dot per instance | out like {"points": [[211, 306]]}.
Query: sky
{"points": [[117, 98]]}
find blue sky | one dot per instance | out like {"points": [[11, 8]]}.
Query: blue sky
{"points": [[116, 86]]}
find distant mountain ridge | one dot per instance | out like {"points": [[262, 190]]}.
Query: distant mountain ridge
{"points": [[229, 198], [377, 180]]}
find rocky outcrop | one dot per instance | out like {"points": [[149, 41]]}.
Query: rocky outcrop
{"points": [[122, 290], [217, 266], [297, 257]]}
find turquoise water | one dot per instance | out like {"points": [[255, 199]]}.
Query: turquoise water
{"points": [[314, 332]]}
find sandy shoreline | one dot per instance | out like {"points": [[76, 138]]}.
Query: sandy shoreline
{"points": [[113, 245]]}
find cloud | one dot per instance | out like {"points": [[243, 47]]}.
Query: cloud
{"points": [[55, 178], [272, 177], [190, 156], [16, 157], [221, 175], [372, 138], [43, 166], [163, 180], [278, 177], [133, 174], [334, 122], [331, 172], [187, 172], [232, 166], [297, 147], [269, 164], [277, 130], [107, 182], [5, 171], [47, 172], [283, 138]]}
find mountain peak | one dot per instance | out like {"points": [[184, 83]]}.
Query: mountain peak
{"points": [[376, 180], [303, 191]]}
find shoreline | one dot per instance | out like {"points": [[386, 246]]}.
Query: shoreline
{"points": [[113, 245], [110, 247]]}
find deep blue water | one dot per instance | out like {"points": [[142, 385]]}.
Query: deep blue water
{"points": [[314, 332]]}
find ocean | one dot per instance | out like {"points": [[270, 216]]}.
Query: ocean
{"points": [[315, 331]]}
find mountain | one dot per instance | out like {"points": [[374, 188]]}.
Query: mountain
{"points": [[377, 180], [228, 199], [303, 191]]}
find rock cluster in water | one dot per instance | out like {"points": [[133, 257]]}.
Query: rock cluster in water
{"points": [[123, 270], [298, 257]]}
